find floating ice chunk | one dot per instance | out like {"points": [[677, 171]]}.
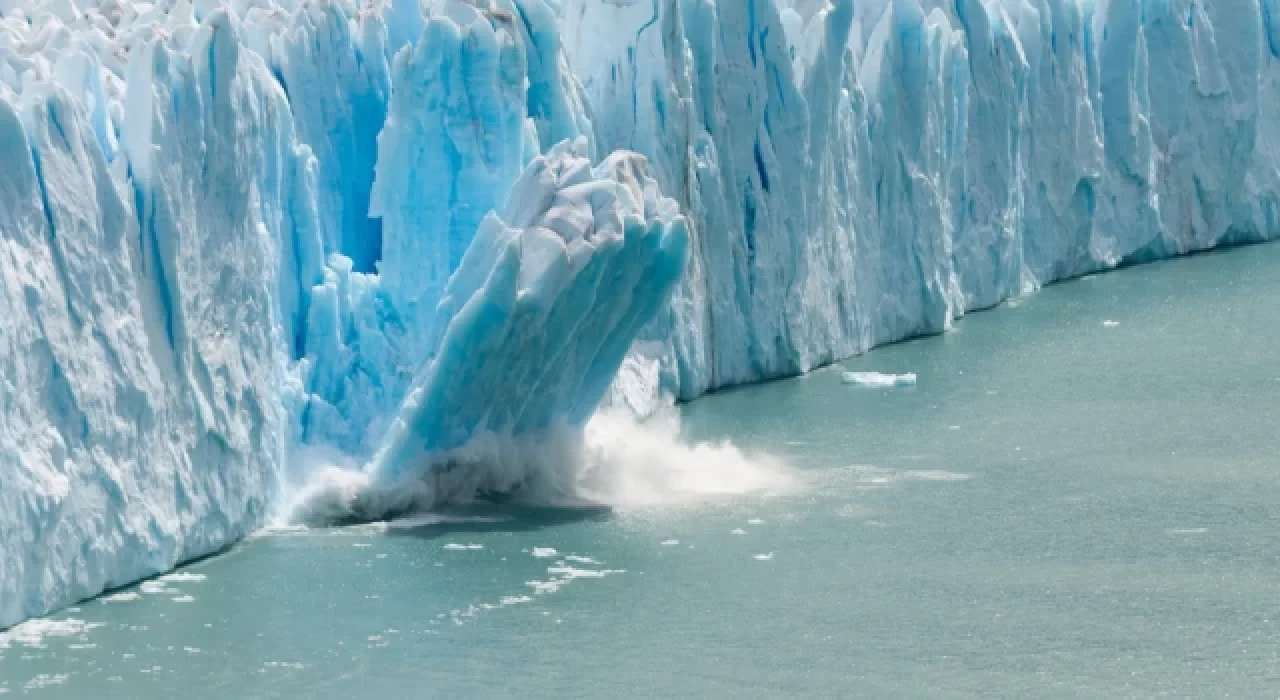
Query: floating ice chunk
{"points": [[544, 552], [122, 597], [1111, 324], [737, 531], [46, 680], [183, 577], [670, 543], [33, 633], [156, 587], [876, 380], [570, 573], [457, 547], [764, 557], [545, 587], [562, 574], [515, 600], [183, 599]]}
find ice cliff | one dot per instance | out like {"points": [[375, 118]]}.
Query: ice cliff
{"points": [[418, 234], [860, 172]]}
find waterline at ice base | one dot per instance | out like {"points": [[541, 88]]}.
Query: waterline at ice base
{"points": [[423, 243]]}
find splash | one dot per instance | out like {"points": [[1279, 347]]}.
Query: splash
{"points": [[632, 463], [617, 461]]}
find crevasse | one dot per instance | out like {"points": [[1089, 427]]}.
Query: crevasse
{"points": [[419, 233]]}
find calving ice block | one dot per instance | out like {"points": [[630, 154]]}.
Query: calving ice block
{"points": [[535, 320]]}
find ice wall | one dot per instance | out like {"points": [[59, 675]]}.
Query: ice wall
{"points": [[233, 231], [140, 418], [860, 172]]}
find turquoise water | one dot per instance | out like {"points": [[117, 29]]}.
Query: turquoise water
{"points": [[1081, 498]]}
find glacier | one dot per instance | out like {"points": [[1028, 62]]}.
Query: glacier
{"points": [[427, 236]]}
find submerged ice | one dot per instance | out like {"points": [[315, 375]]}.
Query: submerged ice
{"points": [[428, 239]]}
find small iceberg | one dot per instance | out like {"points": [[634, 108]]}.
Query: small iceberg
{"points": [[876, 380]]}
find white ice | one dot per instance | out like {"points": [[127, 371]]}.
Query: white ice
{"points": [[877, 380]]}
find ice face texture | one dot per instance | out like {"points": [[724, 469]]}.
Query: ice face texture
{"points": [[140, 413], [234, 232], [859, 172]]}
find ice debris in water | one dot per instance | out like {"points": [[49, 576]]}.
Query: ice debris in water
{"points": [[156, 587], [33, 633], [876, 380], [234, 230], [122, 597], [183, 577]]}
